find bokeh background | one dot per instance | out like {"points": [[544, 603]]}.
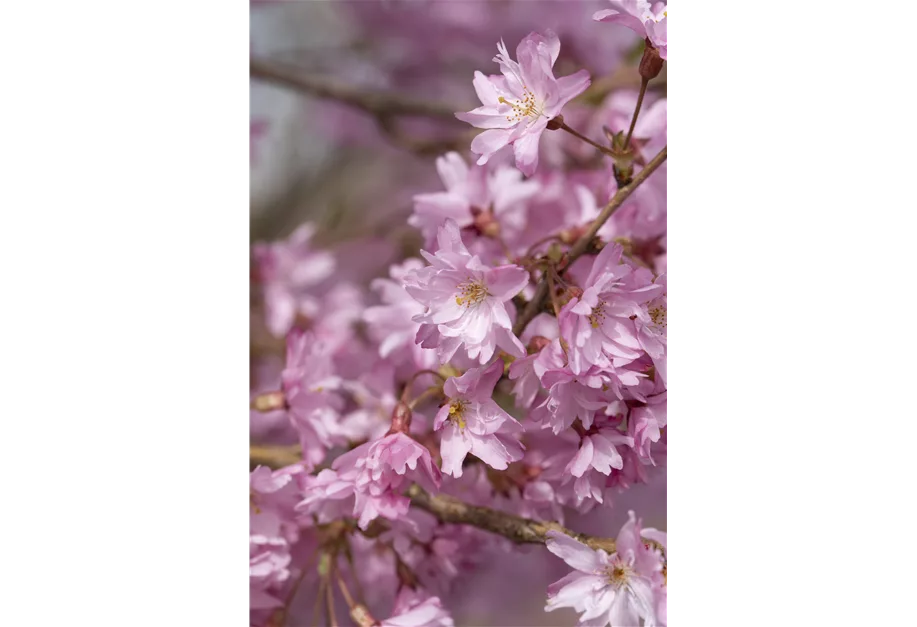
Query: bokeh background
{"points": [[353, 175]]}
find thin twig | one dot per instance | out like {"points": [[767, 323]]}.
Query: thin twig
{"points": [[535, 305], [329, 599], [576, 133], [543, 240], [377, 103], [633, 121], [425, 396], [318, 600]]}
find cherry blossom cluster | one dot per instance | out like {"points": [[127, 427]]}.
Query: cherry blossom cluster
{"points": [[516, 363]]}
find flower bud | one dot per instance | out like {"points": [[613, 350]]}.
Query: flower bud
{"points": [[537, 343], [486, 223], [651, 62], [401, 418]]}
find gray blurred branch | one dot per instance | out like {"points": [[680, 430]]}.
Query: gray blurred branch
{"points": [[380, 104]]}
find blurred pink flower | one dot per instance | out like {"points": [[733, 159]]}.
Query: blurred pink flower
{"points": [[414, 609], [287, 269], [468, 190], [473, 423], [308, 383], [517, 106], [647, 19], [391, 324]]}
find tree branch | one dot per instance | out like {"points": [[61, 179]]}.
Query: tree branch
{"points": [[449, 509], [274, 456], [377, 103], [535, 305]]}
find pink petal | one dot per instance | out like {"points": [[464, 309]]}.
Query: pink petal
{"points": [[575, 553]]}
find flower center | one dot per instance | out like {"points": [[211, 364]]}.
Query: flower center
{"points": [[527, 107], [597, 315], [471, 292], [658, 314], [619, 573], [457, 412]]}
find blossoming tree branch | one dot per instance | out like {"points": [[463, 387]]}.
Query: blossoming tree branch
{"points": [[515, 372]]}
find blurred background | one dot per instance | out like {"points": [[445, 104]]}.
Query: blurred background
{"points": [[352, 174]]}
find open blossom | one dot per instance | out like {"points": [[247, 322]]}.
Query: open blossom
{"points": [[469, 191], [272, 530], [647, 19], [570, 395], [618, 589], [645, 423], [597, 325], [517, 106], [473, 423], [391, 323], [287, 270], [593, 462], [651, 329], [382, 470], [465, 300], [308, 383], [413, 609]]}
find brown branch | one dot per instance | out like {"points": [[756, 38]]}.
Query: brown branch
{"points": [[375, 102], [274, 456], [520, 530], [535, 305]]}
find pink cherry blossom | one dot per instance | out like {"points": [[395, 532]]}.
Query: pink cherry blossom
{"points": [[391, 323], [597, 325], [644, 424], [651, 328], [414, 609], [465, 300], [473, 423], [382, 470], [596, 457], [468, 191], [570, 395], [374, 393], [647, 19], [327, 496], [272, 532], [616, 589], [308, 384], [287, 270], [517, 106]]}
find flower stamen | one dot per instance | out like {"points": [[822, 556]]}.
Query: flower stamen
{"points": [[471, 292], [527, 107], [598, 315], [457, 412]]}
